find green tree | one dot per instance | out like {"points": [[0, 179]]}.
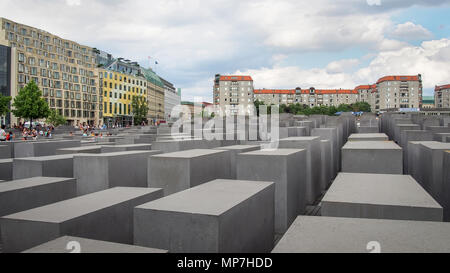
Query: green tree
{"points": [[361, 107], [140, 109], [56, 119], [29, 104], [344, 108], [4, 105]]}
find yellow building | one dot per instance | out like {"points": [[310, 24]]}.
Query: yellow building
{"points": [[118, 90]]}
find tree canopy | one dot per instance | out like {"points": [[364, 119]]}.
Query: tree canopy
{"points": [[56, 119], [140, 109], [4, 105], [29, 104]]}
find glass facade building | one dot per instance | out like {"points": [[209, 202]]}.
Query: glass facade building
{"points": [[5, 77]]}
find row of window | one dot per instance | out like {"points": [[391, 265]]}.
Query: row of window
{"points": [[118, 107], [123, 79]]}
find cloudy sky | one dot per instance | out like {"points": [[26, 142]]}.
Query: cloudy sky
{"points": [[281, 44]]}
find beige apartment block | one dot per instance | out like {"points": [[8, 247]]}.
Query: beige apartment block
{"points": [[310, 97], [442, 96], [233, 95], [65, 71], [398, 92]]}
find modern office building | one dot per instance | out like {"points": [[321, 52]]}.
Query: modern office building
{"points": [[118, 91], [64, 70], [171, 99], [155, 96], [232, 93], [5, 78], [442, 96]]}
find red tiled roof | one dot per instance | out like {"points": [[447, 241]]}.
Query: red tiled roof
{"points": [[305, 91], [274, 91], [236, 78], [439, 88], [398, 78], [363, 87]]}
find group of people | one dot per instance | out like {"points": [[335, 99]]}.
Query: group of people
{"points": [[6, 136]]}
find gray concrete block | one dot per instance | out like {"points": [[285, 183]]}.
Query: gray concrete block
{"points": [[406, 138], [353, 235], [327, 164], [222, 216], [96, 172], [48, 166], [105, 215], [80, 150], [124, 148], [44, 148], [285, 167], [313, 163], [398, 128], [330, 134], [5, 151], [20, 195], [171, 146], [234, 151], [446, 186], [431, 162], [368, 137], [180, 171], [6, 169], [382, 157], [368, 129], [441, 137], [61, 244], [379, 196]]}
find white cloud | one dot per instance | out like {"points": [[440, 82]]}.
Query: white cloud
{"points": [[342, 66], [73, 2], [429, 59], [374, 2], [195, 39], [411, 31]]}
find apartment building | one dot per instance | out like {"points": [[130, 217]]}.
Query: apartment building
{"points": [[398, 92], [64, 70], [310, 97], [119, 89], [442, 96], [155, 96], [171, 99], [232, 93]]}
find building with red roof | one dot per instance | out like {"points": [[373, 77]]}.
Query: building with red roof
{"points": [[442, 96]]}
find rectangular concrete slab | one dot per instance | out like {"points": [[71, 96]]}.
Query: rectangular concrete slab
{"points": [[446, 191], [49, 166], [234, 151], [20, 195], [368, 137], [42, 148], [105, 215], [379, 196], [222, 216], [69, 244], [96, 172], [432, 167], [6, 169], [313, 163], [124, 148], [80, 150], [285, 167], [180, 171], [5, 151], [311, 234], [384, 157]]}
